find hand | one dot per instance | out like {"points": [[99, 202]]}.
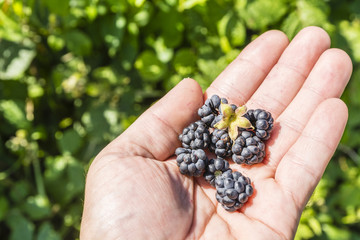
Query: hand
{"points": [[134, 189]]}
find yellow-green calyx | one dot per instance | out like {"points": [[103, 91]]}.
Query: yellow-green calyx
{"points": [[233, 120]]}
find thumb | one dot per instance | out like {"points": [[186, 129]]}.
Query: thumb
{"points": [[155, 133]]}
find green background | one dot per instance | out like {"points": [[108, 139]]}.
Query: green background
{"points": [[75, 73]]}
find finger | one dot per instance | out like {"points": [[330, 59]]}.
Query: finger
{"points": [[155, 133], [301, 168], [243, 76], [327, 80], [289, 74]]}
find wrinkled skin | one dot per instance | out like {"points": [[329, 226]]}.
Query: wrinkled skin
{"points": [[134, 189]]}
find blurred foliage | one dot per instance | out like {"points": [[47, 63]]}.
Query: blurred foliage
{"points": [[75, 73]]}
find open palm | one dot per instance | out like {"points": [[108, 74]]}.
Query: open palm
{"points": [[134, 189]]}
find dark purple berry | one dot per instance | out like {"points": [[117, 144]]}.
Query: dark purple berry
{"points": [[195, 136], [209, 112], [220, 143], [262, 121], [232, 190], [191, 162], [215, 167], [248, 149]]}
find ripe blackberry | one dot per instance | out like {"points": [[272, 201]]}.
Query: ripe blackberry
{"points": [[191, 162], [195, 136], [262, 121], [232, 190], [209, 112], [220, 143], [248, 149], [215, 168]]}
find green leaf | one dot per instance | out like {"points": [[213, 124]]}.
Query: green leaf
{"points": [[14, 113], [70, 141], [112, 29], [77, 3], [136, 3], [128, 52], [13, 90], [21, 228], [261, 14], [10, 30], [143, 16], [315, 226], [15, 58], [185, 61], [312, 12], [60, 7], [106, 74], [57, 43], [212, 68], [238, 33], [231, 31], [354, 86], [164, 53], [149, 66], [64, 178], [35, 90], [291, 25], [172, 81], [78, 42], [351, 32], [95, 122], [188, 4], [4, 206], [349, 195], [171, 25], [19, 191], [335, 233], [223, 23], [47, 232], [37, 207], [307, 13], [118, 5], [303, 232], [76, 176]]}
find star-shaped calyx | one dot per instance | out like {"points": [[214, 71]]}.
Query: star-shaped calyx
{"points": [[233, 120]]}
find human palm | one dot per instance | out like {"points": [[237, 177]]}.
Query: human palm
{"points": [[134, 189]]}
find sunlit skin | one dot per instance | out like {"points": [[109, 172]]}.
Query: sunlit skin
{"points": [[134, 189]]}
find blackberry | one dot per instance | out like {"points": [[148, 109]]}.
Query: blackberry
{"points": [[232, 190], [209, 112], [262, 121], [215, 168], [191, 162], [248, 149], [195, 136], [220, 143]]}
